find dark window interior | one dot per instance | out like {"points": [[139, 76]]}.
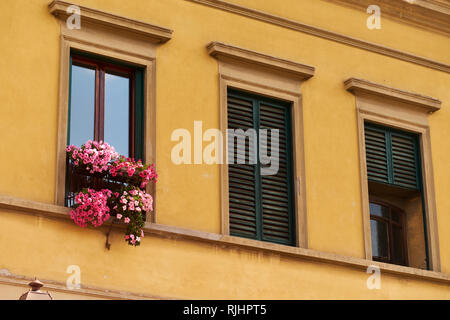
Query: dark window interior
{"points": [[388, 234]]}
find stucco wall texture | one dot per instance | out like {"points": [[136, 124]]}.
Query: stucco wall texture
{"points": [[188, 196]]}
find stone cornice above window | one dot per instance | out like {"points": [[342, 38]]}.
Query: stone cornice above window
{"points": [[220, 50], [151, 32], [427, 104]]}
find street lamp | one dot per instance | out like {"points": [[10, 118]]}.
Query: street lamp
{"points": [[35, 293]]}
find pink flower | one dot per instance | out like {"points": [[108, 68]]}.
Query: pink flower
{"points": [[90, 207], [131, 171], [98, 155], [127, 220], [119, 216]]}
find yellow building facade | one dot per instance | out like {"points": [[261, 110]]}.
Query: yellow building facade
{"points": [[327, 58]]}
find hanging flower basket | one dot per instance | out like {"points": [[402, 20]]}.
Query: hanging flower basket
{"points": [[104, 184]]}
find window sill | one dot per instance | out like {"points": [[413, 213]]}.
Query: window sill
{"points": [[54, 211]]}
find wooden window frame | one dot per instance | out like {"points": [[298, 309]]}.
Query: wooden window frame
{"points": [[390, 222], [276, 78], [121, 39], [406, 111], [101, 68]]}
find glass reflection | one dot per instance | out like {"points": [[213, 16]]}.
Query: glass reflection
{"points": [[378, 210], [117, 107], [82, 105], [380, 246]]}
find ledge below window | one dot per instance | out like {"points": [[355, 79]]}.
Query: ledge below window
{"points": [[54, 211]]}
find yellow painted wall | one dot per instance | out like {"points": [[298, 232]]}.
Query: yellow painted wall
{"points": [[179, 269], [188, 195]]}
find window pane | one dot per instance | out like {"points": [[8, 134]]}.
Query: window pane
{"points": [[82, 105], [380, 245], [117, 109], [379, 211], [397, 234]]}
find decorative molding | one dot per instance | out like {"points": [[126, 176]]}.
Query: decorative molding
{"points": [[268, 84], [433, 15], [152, 32], [7, 278], [224, 241], [428, 104], [219, 50], [325, 34], [274, 77]]}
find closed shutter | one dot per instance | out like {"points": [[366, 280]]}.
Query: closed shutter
{"points": [[276, 189], [392, 156], [261, 206], [241, 177]]}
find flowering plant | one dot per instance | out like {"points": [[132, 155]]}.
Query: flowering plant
{"points": [[91, 207], [93, 156], [129, 205], [128, 201], [134, 170]]}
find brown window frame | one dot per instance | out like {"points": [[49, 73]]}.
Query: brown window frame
{"points": [[101, 68], [390, 223]]}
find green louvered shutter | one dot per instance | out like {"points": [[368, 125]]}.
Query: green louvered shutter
{"points": [[392, 156], [376, 154], [277, 210], [405, 160], [241, 177], [261, 206]]}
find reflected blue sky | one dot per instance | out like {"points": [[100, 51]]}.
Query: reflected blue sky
{"points": [[82, 105], [117, 102], [379, 236], [82, 109]]}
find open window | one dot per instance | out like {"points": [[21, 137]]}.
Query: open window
{"points": [[396, 169], [397, 216]]}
